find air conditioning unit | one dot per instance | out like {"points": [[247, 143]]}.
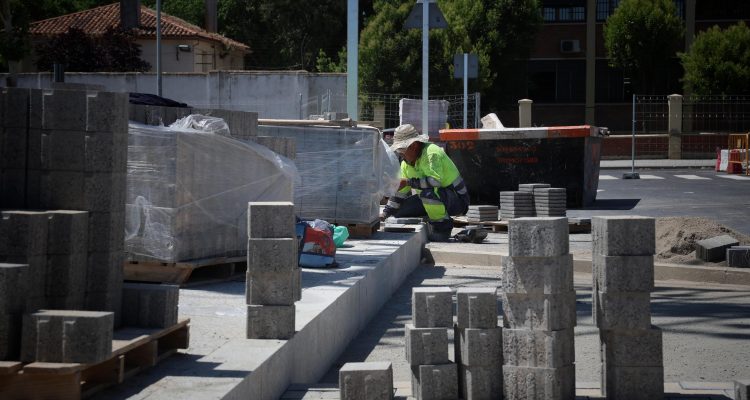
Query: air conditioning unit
{"points": [[570, 46]]}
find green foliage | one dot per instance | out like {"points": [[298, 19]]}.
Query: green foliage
{"points": [[641, 36], [115, 51], [719, 61], [193, 11], [499, 32], [327, 64]]}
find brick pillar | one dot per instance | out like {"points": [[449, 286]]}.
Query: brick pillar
{"points": [[675, 126], [524, 113]]}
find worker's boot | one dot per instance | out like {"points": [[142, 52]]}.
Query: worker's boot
{"points": [[439, 231]]}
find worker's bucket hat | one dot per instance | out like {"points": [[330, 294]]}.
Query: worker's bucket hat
{"points": [[405, 135]]}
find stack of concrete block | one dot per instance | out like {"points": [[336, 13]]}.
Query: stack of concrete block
{"points": [[738, 257], [742, 389], [67, 253], [481, 213], [62, 336], [13, 281], [478, 344], [273, 273], [539, 311], [366, 381], [623, 269], [714, 249], [67, 149], [23, 240], [149, 305], [550, 202], [433, 375], [516, 204]]}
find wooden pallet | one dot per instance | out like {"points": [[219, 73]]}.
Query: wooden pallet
{"points": [[219, 268], [574, 226], [362, 231], [133, 350]]}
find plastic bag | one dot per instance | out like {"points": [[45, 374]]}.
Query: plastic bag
{"points": [[202, 123], [340, 234], [316, 246]]}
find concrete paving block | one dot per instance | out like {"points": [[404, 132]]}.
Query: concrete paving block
{"points": [[271, 287], [532, 383], [106, 231], [432, 307], [64, 110], [13, 281], [34, 155], [534, 348], [297, 284], [479, 347], [271, 219], [476, 307], [277, 254], [149, 305], [714, 249], [426, 345], [16, 107], [109, 301], [538, 237], [632, 348], [35, 278], [480, 382], [15, 148], [67, 336], [106, 112], [623, 235], [105, 191], [66, 274], [738, 257], [547, 312], [105, 152], [632, 383], [23, 233], [623, 310], [63, 190], [366, 381], [67, 232], [742, 389], [624, 273], [62, 150], [10, 336], [72, 301], [270, 322], [548, 275], [435, 382]]}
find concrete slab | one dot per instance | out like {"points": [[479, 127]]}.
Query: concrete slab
{"points": [[336, 306]]}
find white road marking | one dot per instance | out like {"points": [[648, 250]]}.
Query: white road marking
{"points": [[645, 176], [696, 177], [735, 177], [606, 177]]}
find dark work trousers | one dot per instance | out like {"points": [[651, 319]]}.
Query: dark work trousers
{"points": [[412, 205]]}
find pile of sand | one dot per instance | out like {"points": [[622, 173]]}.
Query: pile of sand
{"points": [[676, 237]]}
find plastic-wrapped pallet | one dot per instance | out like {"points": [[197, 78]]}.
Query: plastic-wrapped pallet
{"points": [[187, 192], [344, 172]]}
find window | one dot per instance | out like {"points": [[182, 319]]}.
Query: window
{"points": [[605, 8], [579, 13], [548, 14], [564, 14]]}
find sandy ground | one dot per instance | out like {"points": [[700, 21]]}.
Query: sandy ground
{"points": [[676, 237]]}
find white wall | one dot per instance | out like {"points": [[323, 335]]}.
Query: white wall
{"points": [[284, 94]]}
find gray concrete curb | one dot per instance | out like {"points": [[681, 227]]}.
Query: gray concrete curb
{"points": [[662, 271]]}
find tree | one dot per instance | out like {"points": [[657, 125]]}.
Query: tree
{"points": [[115, 51], [719, 61], [641, 37], [499, 32]]}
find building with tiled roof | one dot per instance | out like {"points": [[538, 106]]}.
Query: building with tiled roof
{"points": [[185, 47]]}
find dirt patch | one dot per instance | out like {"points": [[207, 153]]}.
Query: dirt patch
{"points": [[676, 237]]}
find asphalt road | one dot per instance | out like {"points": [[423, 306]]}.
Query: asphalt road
{"points": [[674, 192], [706, 327]]}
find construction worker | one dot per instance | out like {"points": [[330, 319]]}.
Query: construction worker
{"points": [[441, 192]]}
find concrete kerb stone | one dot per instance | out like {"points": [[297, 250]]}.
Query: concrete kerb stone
{"points": [[623, 310], [535, 348], [546, 312], [435, 382], [476, 308], [538, 237], [479, 347], [538, 383], [714, 249], [623, 273], [623, 235], [13, 287], [67, 232], [270, 322], [24, 233], [480, 382], [632, 348], [432, 307], [738, 257], [277, 288], [742, 389], [426, 345], [10, 336], [632, 383], [149, 305], [271, 255], [366, 381]]}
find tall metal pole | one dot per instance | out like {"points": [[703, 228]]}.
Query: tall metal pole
{"points": [[466, 87], [352, 56], [632, 174], [425, 63], [158, 47]]}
